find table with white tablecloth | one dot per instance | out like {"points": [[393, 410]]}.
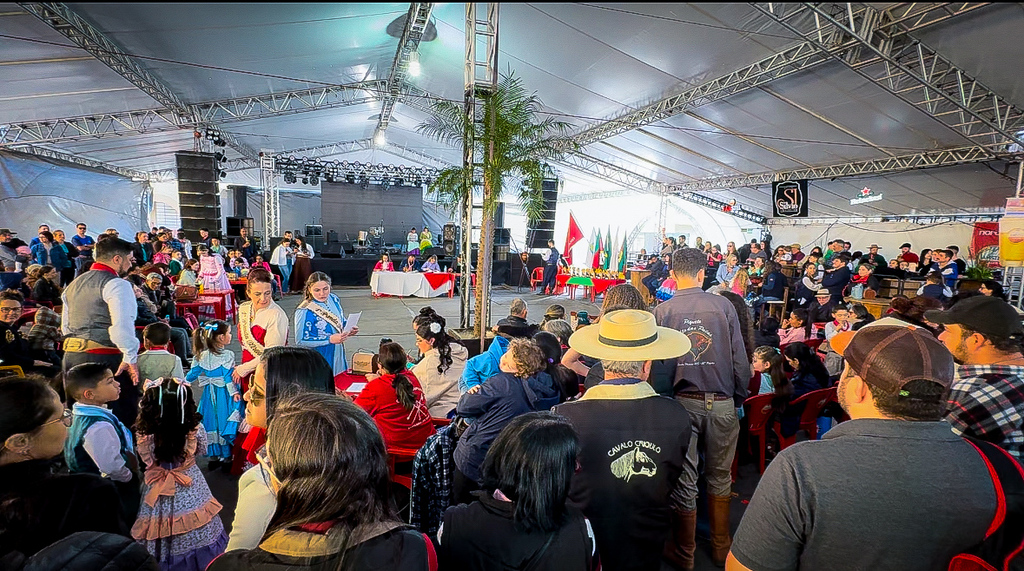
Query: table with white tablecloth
{"points": [[415, 284]]}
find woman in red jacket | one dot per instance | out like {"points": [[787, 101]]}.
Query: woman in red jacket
{"points": [[395, 401]]}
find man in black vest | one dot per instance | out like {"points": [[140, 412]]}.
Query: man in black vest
{"points": [[550, 268], [98, 322], [632, 441]]}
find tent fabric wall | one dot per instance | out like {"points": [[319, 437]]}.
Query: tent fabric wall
{"points": [[888, 235], [36, 190]]}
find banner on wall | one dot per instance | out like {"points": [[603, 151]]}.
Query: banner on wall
{"points": [[985, 243], [789, 199]]}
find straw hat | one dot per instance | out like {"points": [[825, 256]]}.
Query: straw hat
{"points": [[795, 245], [629, 335]]}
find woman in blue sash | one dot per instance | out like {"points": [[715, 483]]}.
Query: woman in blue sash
{"points": [[319, 322]]}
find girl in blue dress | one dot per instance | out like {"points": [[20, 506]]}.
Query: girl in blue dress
{"points": [[319, 322], [220, 399]]}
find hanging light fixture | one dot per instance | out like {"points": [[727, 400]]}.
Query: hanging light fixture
{"points": [[380, 139], [414, 64]]}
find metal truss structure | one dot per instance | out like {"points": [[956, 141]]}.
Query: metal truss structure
{"points": [[908, 16], [331, 171], [888, 56], [938, 158], [342, 148], [271, 198], [154, 176], [415, 24], [587, 196]]}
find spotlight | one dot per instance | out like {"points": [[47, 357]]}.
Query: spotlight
{"points": [[223, 174], [289, 178], [414, 64], [380, 139], [399, 181], [305, 180], [220, 157], [350, 178], [314, 179]]}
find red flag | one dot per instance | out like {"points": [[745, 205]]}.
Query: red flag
{"points": [[571, 238]]}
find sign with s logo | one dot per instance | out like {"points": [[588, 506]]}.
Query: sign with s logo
{"points": [[789, 199]]}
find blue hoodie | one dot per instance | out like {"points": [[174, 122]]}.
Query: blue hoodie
{"points": [[502, 398], [483, 366]]}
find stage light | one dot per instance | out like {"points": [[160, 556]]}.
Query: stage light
{"points": [[223, 174], [220, 157], [399, 181], [350, 178], [314, 179], [414, 64], [305, 180], [289, 178], [380, 139]]}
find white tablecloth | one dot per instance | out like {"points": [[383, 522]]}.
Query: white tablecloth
{"points": [[405, 284]]}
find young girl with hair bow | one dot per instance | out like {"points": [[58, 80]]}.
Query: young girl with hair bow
{"points": [[219, 397]]}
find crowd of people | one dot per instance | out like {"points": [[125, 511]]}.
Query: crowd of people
{"points": [[560, 446]]}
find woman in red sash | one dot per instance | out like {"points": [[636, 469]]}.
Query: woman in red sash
{"points": [[261, 324]]}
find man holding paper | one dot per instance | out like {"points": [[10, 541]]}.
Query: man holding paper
{"points": [[320, 322]]}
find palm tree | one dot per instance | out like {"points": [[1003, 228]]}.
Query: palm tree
{"points": [[514, 144]]}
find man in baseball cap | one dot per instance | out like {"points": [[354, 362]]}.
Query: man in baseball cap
{"points": [[987, 402], [893, 488], [632, 441]]}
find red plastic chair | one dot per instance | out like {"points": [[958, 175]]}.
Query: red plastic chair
{"points": [[399, 456], [536, 277], [813, 403], [439, 422], [754, 385], [760, 412], [814, 343]]}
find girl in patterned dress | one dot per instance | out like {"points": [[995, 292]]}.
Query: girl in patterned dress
{"points": [[179, 521], [320, 322], [211, 271], [220, 399]]}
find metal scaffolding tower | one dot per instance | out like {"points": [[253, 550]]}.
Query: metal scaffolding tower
{"points": [[271, 199]]}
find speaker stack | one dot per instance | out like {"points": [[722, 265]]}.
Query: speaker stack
{"points": [[450, 239], [315, 236], [198, 193], [543, 229]]}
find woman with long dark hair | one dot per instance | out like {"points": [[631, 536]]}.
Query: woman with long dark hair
{"points": [[520, 519], [333, 492], [566, 380], [809, 373], [395, 401], [41, 505], [925, 265], [280, 372], [303, 266], [443, 360]]}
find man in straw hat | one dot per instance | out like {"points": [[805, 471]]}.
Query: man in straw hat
{"points": [[796, 256], [893, 488], [632, 441], [873, 257], [710, 380]]}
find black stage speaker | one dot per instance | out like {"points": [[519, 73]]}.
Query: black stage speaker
{"points": [[450, 239], [235, 225], [333, 250], [198, 193], [433, 251], [502, 242], [543, 229], [238, 198], [348, 246], [499, 215]]}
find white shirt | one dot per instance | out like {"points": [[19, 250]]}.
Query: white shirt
{"points": [[120, 299], [103, 445], [254, 510], [309, 251], [280, 256]]}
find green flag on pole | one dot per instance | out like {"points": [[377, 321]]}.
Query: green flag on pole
{"points": [[622, 255], [607, 262]]}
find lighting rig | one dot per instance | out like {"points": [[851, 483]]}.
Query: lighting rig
{"points": [[727, 207], [312, 171]]}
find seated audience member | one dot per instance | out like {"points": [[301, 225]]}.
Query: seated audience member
{"points": [[442, 363], [838, 276], [809, 373], [820, 310], [659, 271], [561, 329], [565, 379], [159, 294], [238, 262], [146, 314], [894, 386], [46, 288], [935, 288], [945, 265], [395, 401], [987, 401], [431, 265], [770, 363], [384, 264], [632, 446], [865, 278], [281, 372], [859, 316], [515, 323], [727, 271], [773, 288], [840, 322], [795, 255], [521, 519], [906, 255], [13, 349], [521, 386], [767, 333], [992, 288], [322, 524], [808, 286], [156, 362], [912, 310], [410, 264], [41, 504], [98, 443], [188, 275], [795, 329], [554, 311], [481, 367]]}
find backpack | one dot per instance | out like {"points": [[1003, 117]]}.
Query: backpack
{"points": [[1004, 539]]}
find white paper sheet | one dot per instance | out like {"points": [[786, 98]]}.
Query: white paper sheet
{"points": [[353, 320], [356, 388]]}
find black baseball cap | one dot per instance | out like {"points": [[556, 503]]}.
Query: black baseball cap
{"points": [[983, 314], [906, 245]]}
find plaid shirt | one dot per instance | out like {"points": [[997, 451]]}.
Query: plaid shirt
{"points": [[45, 333], [432, 480], [987, 403]]}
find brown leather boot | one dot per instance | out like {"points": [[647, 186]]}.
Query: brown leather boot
{"points": [[719, 523], [680, 547]]}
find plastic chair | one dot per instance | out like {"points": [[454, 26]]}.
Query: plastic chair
{"points": [[536, 277], [760, 415], [813, 403], [754, 385], [15, 370], [399, 456], [814, 343], [439, 422]]}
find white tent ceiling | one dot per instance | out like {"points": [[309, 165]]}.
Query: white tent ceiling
{"points": [[588, 63]]}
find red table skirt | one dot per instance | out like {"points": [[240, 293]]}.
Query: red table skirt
{"points": [[437, 280], [342, 381], [602, 284]]}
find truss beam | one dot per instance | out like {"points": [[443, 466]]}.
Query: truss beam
{"points": [[415, 24], [891, 58], [153, 176], [271, 198], [342, 148]]}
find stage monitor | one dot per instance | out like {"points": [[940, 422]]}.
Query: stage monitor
{"points": [[350, 208]]}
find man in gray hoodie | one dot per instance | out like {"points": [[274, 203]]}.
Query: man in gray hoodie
{"points": [[710, 380]]}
